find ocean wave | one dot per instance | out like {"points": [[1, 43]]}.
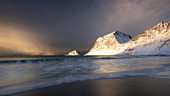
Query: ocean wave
{"points": [[24, 75]]}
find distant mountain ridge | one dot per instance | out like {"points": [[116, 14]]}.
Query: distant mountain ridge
{"points": [[153, 41]]}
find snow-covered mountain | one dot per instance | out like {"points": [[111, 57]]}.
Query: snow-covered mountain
{"points": [[73, 53], [108, 44], [154, 41]]}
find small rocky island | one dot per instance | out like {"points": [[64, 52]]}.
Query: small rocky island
{"points": [[73, 53]]}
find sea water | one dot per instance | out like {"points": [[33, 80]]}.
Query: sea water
{"points": [[20, 74]]}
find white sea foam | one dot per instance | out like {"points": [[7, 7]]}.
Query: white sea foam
{"points": [[23, 76]]}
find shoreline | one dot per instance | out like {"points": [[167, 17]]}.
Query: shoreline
{"points": [[138, 86]]}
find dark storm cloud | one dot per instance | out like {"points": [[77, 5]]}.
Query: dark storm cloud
{"points": [[66, 24], [58, 19], [135, 16]]}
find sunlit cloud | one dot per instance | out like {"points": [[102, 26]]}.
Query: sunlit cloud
{"points": [[18, 41]]}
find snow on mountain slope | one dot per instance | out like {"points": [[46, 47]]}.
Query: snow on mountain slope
{"points": [[108, 44], [154, 41]]}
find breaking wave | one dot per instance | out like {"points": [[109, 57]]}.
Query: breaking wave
{"points": [[24, 74]]}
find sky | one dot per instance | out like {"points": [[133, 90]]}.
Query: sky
{"points": [[55, 27]]}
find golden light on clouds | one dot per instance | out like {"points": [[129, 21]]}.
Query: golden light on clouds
{"points": [[16, 40]]}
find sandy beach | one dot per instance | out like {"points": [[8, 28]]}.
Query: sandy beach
{"points": [[132, 86]]}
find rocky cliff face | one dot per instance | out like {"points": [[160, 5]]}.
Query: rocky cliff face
{"points": [[73, 53], [154, 41]]}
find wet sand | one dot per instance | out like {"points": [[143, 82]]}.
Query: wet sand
{"points": [[132, 86]]}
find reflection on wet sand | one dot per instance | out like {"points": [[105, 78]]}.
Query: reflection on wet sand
{"points": [[134, 86]]}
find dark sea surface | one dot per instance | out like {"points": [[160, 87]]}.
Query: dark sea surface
{"points": [[20, 74]]}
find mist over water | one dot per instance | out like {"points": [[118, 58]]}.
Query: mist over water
{"points": [[24, 74], [15, 40]]}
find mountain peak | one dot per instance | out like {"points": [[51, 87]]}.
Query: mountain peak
{"points": [[161, 26], [116, 31], [162, 23], [110, 41], [154, 41]]}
